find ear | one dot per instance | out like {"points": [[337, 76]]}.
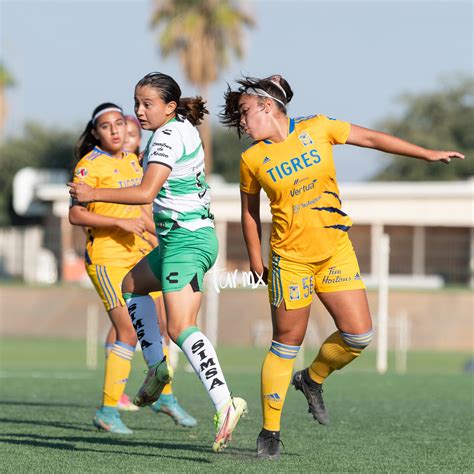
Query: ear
{"points": [[268, 105], [94, 134], [171, 107]]}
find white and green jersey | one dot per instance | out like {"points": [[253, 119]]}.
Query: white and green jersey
{"points": [[184, 198]]}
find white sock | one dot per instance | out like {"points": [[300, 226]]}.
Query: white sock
{"points": [[142, 310], [202, 356]]}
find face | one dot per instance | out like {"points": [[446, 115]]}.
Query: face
{"points": [[151, 111], [132, 137], [254, 116], [110, 131]]}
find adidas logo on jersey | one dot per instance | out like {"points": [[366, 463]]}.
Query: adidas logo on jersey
{"points": [[357, 276], [266, 160]]}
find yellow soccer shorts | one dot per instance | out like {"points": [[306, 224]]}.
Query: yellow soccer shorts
{"points": [[295, 282], [107, 281]]}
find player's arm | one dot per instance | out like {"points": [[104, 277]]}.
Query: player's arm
{"points": [[252, 230], [147, 215], [153, 179], [79, 215], [365, 137]]}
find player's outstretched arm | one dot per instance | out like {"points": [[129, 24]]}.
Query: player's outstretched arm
{"points": [[365, 137], [153, 180]]}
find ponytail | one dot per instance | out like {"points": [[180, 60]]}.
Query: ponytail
{"points": [[86, 143], [192, 108]]}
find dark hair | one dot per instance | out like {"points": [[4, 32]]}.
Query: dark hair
{"points": [[276, 86], [192, 108], [87, 141]]}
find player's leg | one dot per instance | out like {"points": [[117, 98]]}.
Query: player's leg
{"points": [[290, 298], [124, 404], [187, 256], [342, 292], [136, 286], [168, 403], [118, 363]]}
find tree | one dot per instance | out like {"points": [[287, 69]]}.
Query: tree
{"points": [[39, 148], [6, 81], [227, 148], [202, 33], [441, 120]]}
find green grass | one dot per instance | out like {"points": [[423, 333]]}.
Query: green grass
{"points": [[418, 422]]}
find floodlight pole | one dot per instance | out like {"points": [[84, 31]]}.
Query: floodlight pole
{"points": [[382, 319]]}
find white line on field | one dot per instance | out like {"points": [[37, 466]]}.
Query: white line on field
{"points": [[46, 375]]}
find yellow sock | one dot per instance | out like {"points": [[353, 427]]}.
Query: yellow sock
{"points": [[117, 369], [167, 389], [333, 355], [276, 374]]}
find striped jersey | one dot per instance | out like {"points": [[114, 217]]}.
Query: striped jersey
{"points": [[184, 197], [299, 177], [111, 245]]}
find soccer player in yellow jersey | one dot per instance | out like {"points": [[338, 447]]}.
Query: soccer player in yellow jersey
{"points": [[310, 251], [117, 240]]}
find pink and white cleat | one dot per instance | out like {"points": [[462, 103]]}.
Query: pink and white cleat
{"points": [[125, 404], [225, 421]]}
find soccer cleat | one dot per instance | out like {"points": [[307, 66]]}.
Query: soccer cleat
{"points": [[157, 377], [168, 404], [125, 404], [268, 444], [313, 392], [108, 419], [225, 421]]}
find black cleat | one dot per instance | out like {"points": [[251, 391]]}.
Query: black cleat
{"points": [[268, 444], [313, 392]]}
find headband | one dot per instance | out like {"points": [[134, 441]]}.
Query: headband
{"points": [[279, 86], [261, 93], [104, 111]]}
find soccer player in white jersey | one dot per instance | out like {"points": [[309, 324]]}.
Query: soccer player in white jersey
{"points": [[174, 180]]}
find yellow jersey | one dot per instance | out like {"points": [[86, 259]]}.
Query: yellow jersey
{"points": [[299, 178], [112, 246]]}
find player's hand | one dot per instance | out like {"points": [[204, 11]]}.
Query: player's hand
{"points": [[135, 226], [81, 192], [444, 156], [260, 275]]}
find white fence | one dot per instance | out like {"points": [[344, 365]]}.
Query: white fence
{"points": [[22, 255]]}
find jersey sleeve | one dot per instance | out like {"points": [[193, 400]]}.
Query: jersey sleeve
{"points": [[248, 182], [84, 172], [337, 130], [166, 147]]}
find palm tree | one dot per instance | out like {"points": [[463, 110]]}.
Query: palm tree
{"points": [[6, 81], [202, 33]]}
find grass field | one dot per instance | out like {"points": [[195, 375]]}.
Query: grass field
{"points": [[418, 422]]}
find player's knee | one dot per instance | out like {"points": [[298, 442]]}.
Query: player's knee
{"points": [[174, 330], [128, 336], [127, 283], [357, 341]]}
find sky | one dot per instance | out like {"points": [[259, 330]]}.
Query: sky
{"points": [[347, 59]]}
